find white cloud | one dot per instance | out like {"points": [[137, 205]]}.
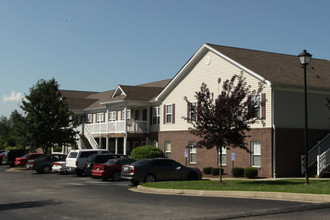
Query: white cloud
{"points": [[13, 97]]}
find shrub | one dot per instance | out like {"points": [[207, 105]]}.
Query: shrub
{"points": [[237, 171], [250, 172], [207, 170], [145, 152], [215, 171]]}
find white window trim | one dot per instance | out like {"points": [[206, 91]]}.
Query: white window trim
{"points": [[100, 117], [89, 118], [224, 154], [257, 97], [192, 150], [128, 114], [255, 153], [155, 115], [166, 149], [112, 116], [169, 115], [191, 112]]}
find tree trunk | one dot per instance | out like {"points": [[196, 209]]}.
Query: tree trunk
{"points": [[220, 173]]}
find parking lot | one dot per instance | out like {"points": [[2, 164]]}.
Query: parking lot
{"points": [[28, 195]]}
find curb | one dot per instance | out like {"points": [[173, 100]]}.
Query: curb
{"points": [[296, 197]]}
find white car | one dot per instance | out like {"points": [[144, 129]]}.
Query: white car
{"points": [[60, 167], [77, 159]]}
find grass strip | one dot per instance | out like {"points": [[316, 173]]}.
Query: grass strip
{"points": [[288, 186]]}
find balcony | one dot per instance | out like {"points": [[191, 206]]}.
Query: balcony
{"points": [[116, 127]]}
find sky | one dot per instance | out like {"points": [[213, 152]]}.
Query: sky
{"points": [[94, 45]]}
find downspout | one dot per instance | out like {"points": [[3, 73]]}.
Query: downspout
{"points": [[274, 134]]}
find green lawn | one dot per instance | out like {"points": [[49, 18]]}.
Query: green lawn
{"points": [[290, 185]]}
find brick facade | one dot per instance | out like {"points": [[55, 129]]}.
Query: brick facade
{"points": [[209, 157]]}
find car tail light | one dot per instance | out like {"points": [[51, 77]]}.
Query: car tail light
{"points": [[58, 164], [132, 169], [76, 163]]}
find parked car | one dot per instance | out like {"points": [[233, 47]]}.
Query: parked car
{"points": [[1, 156], [111, 169], [158, 169], [99, 159], [60, 167], [22, 161], [77, 159], [44, 163], [11, 155]]}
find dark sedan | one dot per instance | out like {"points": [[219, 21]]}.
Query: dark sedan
{"points": [[44, 163], [160, 169]]}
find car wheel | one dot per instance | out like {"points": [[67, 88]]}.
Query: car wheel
{"points": [[192, 176], [46, 169], [115, 176], [149, 178]]}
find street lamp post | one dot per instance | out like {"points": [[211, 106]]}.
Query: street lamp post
{"points": [[305, 58]]}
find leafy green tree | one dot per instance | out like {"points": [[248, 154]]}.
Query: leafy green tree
{"points": [[48, 121], [225, 120], [144, 152]]}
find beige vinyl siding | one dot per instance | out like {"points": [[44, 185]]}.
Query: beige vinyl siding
{"points": [[209, 74], [289, 109]]}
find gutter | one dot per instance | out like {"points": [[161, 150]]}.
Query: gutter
{"points": [[274, 134]]}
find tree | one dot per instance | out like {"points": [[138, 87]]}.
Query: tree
{"points": [[225, 121], [48, 121]]}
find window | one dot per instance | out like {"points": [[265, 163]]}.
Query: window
{"points": [[192, 112], [256, 100], [192, 152], [224, 156], [260, 101], [128, 114], [144, 114], [112, 116], [168, 113], [89, 118], [168, 149], [255, 154], [100, 117], [155, 116]]}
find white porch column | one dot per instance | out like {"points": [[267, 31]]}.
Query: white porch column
{"points": [[107, 130], [116, 146], [125, 130], [148, 119]]}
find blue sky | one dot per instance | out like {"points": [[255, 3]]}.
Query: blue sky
{"points": [[96, 45]]}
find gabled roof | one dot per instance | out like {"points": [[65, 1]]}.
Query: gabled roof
{"points": [[271, 68], [279, 68]]}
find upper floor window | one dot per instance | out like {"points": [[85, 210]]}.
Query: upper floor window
{"points": [[112, 116], [155, 116], [169, 116], [100, 117], [137, 114], [128, 114], [192, 112], [259, 100], [89, 118]]}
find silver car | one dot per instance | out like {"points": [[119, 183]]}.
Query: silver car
{"points": [[158, 169]]}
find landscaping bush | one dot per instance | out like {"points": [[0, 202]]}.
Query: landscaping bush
{"points": [[215, 171], [145, 152], [207, 170], [250, 172], [237, 171]]}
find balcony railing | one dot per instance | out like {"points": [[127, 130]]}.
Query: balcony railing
{"points": [[115, 127]]}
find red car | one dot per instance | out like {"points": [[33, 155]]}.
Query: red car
{"points": [[1, 156], [111, 169], [22, 161]]}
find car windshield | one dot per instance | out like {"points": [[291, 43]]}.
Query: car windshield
{"points": [[112, 162]]}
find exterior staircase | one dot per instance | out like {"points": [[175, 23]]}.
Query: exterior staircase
{"points": [[85, 139], [319, 155]]}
